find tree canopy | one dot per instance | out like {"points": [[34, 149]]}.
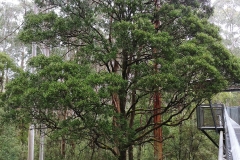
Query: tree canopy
{"points": [[6, 66]]}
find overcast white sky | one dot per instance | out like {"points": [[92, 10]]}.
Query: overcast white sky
{"points": [[12, 1]]}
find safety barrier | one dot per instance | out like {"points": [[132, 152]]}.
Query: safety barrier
{"points": [[230, 126]]}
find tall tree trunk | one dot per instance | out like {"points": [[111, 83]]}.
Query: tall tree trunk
{"points": [[42, 141], [2, 81], [180, 134], [31, 143], [116, 104], [158, 151], [130, 153], [123, 155], [63, 147], [139, 152], [22, 60], [180, 142], [63, 140], [132, 115], [31, 130]]}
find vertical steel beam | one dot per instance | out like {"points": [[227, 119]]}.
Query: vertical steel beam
{"points": [[220, 150], [213, 115]]}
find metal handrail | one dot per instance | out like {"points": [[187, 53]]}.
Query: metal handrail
{"points": [[220, 151], [235, 148]]}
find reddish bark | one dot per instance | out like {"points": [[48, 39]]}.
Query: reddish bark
{"points": [[158, 151]]}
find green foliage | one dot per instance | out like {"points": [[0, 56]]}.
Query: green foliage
{"points": [[227, 98], [11, 146], [7, 63], [59, 86], [37, 23], [187, 142]]}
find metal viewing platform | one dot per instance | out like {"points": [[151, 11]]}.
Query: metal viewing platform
{"points": [[226, 121]]}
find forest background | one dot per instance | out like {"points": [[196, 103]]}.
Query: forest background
{"points": [[119, 71]]}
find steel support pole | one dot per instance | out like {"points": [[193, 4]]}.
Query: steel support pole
{"points": [[220, 151], [214, 120], [210, 138]]}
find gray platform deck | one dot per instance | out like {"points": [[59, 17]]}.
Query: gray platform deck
{"points": [[236, 128]]}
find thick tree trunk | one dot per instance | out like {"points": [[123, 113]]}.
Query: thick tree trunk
{"points": [[130, 153], [63, 141], [31, 128], [139, 152], [42, 141], [123, 155], [158, 150], [31, 143], [63, 147], [180, 135], [132, 116], [116, 104]]}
